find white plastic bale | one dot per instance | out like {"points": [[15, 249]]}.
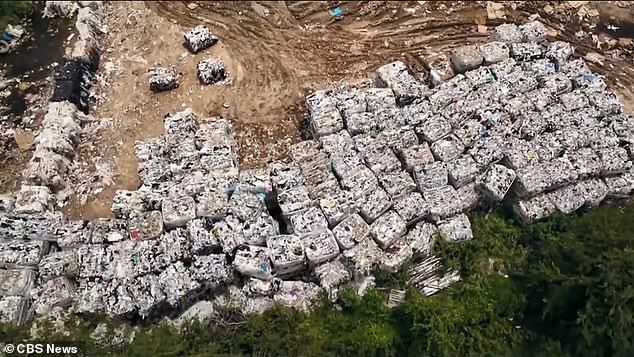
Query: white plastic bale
{"points": [[363, 257], [163, 79], [431, 176], [463, 170], [496, 182], [574, 100], [620, 186], [294, 200], [55, 292], [486, 151], [337, 142], [332, 274], [602, 138], [199, 38], [534, 209], [545, 176], [16, 253], [324, 189], [606, 102], [388, 228], [359, 123], [411, 207], [417, 112], [505, 67], [481, 76], [176, 212], [396, 76], [508, 33], [416, 155], [615, 161], [287, 254], [202, 240], [363, 180], [520, 153], [443, 202], [351, 231], [396, 256], [262, 227], [560, 51], [380, 98], [337, 205], [245, 205], [456, 228], [211, 71], [309, 220], [58, 264], [397, 183], [494, 52], [421, 238], [521, 82], [285, 176], [253, 261], [16, 281], [46, 168], [466, 58], [540, 68], [33, 199], [590, 83], [399, 137], [177, 283], [524, 52], [320, 246], [147, 225], [533, 31], [567, 199], [7, 202], [297, 294], [213, 204], [470, 196], [14, 310], [173, 246], [124, 202], [228, 233], [351, 101], [434, 129], [146, 294], [345, 166], [304, 150], [374, 205], [383, 160]]}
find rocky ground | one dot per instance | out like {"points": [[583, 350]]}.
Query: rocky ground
{"points": [[275, 53]]}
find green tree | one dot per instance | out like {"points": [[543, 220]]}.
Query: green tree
{"points": [[13, 11]]}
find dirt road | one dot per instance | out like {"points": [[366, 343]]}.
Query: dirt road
{"points": [[275, 52]]}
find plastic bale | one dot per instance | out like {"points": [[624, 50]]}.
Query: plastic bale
{"points": [[590, 83], [374, 205], [469, 131], [395, 257], [399, 138], [33, 199], [606, 102], [540, 68], [560, 51], [351, 101], [456, 228], [337, 142], [620, 186], [434, 129], [521, 82], [324, 189], [211, 71], [416, 155], [363, 180], [412, 207], [602, 138], [351, 231], [615, 161], [508, 33], [533, 31], [297, 294], [163, 79], [106, 230], [304, 150], [125, 202], [448, 148], [494, 52], [486, 151], [462, 171], [380, 99], [146, 225], [388, 228], [58, 264], [534, 209], [481, 76], [345, 166], [287, 254], [382, 160], [212, 204], [202, 240], [146, 294], [16, 282], [574, 100], [505, 67], [7, 203], [421, 238], [228, 233], [294, 200], [58, 292], [431, 176], [567, 199], [359, 123], [320, 246], [466, 58], [285, 176], [176, 282], [594, 191], [337, 205], [199, 38], [256, 232], [309, 220], [245, 205], [496, 182], [331, 275], [574, 68], [396, 183], [470, 197], [443, 202], [520, 153], [253, 261], [525, 52], [396, 76], [363, 257], [178, 211]]}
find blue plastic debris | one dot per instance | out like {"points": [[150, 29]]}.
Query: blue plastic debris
{"points": [[336, 11]]}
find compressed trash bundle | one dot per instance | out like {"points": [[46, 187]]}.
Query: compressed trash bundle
{"points": [[253, 261], [466, 58], [421, 238], [14, 309], [395, 256], [332, 274], [525, 52], [145, 225], [431, 175], [16, 281], [411, 207], [176, 282], [456, 228], [508, 33], [351, 101], [443, 202], [259, 229], [351, 231], [434, 129], [388, 228], [59, 264], [33, 199], [363, 257], [211, 270], [374, 205], [320, 246], [16, 253], [308, 220], [199, 38], [163, 78], [533, 31], [53, 293], [287, 254], [380, 99], [337, 205], [211, 71], [496, 182], [396, 183], [177, 211], [396, 76], [494, 52]]}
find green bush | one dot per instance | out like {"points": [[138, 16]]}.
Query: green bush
{"points": [[12, 12]]}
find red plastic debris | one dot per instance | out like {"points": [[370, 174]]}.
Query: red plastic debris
{"points": [[134, 234]]}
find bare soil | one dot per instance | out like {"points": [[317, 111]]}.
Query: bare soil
{"points": [[276, 52]]}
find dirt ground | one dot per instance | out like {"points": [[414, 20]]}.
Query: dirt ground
{"points": [[276, 52]]}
